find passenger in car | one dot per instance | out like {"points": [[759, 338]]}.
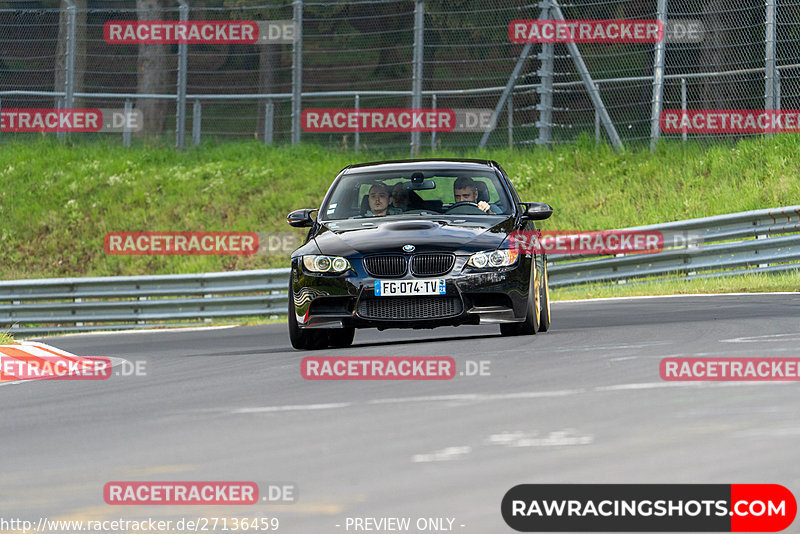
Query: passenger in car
{"points": [[379, 202], [400, 198]]}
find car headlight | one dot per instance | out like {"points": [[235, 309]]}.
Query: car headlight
{"points": [[493, 258], [325, 264]]}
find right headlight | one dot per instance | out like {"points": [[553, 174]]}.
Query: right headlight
{"points": [[493, 258], [325, 264]]}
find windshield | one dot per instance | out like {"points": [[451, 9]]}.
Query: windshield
{"points": [[398, 194]]}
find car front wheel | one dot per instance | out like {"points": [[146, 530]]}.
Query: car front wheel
{"points": [[304, 339], [544, 317], [531, 323]]}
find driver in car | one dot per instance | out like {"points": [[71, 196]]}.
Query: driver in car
{"points": [[379, 202], [466, 190]]}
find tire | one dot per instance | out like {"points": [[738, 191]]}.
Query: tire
{"points": [[544, 317], [530, 325], [341, 337], [304, 339]]}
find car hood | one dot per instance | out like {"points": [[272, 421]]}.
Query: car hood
{"points": [[460, 235]]}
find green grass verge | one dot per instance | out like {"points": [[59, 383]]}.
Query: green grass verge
{"points": [[748, 283], [59, 200], [6, 339]]}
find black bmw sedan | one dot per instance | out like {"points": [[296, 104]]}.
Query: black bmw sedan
{"points": [[416, 244]]}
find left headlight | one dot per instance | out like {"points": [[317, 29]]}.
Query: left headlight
{"points": [[325, 264], [493, 258]]}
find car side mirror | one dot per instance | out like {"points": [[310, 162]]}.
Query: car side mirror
{"points": [[537, 211], [301, 218]]}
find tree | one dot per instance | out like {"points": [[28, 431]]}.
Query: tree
{"points": [[153, 71]]}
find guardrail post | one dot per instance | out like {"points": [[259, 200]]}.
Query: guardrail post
{"points": [[126, 127], [433, 133], [78, 300], [180, 113], [416, 78], [207, 319], [658, 78], [297, 70], [197, 121], [137, 311], [357, 135]]}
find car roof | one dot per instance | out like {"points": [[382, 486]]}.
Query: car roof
{"points": [[422, 165]]}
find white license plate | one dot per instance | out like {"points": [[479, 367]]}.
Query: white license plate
{"points": [[396, 288]]}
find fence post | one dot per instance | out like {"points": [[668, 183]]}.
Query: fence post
{"points": [[433, 133], [684, 129], [126, 128], [770, 72], [416, 79], [658, 78], [180, 111], [269, 119], [778, 89], [510, 115], [197, 121], [589, 83], [297, 69], [545, 89], [69, 63], [597, 124], [358, 135], [60, 134], [1, 122]]}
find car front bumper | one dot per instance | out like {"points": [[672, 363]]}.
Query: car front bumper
{"points": [[472, 297]]}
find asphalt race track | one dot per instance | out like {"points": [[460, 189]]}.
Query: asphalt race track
{"points": [[583, 403]]}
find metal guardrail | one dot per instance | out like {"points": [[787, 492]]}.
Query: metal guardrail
{"points": [[743, 243], [125, 302]]}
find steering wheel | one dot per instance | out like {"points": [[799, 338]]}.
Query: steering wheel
{"points": [[465, 204]]}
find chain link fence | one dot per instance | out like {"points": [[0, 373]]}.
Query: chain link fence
{"points": [[420, 54]]}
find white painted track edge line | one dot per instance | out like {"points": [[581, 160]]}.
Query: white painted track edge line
{"points": [[643, 297], [141, 331]]}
